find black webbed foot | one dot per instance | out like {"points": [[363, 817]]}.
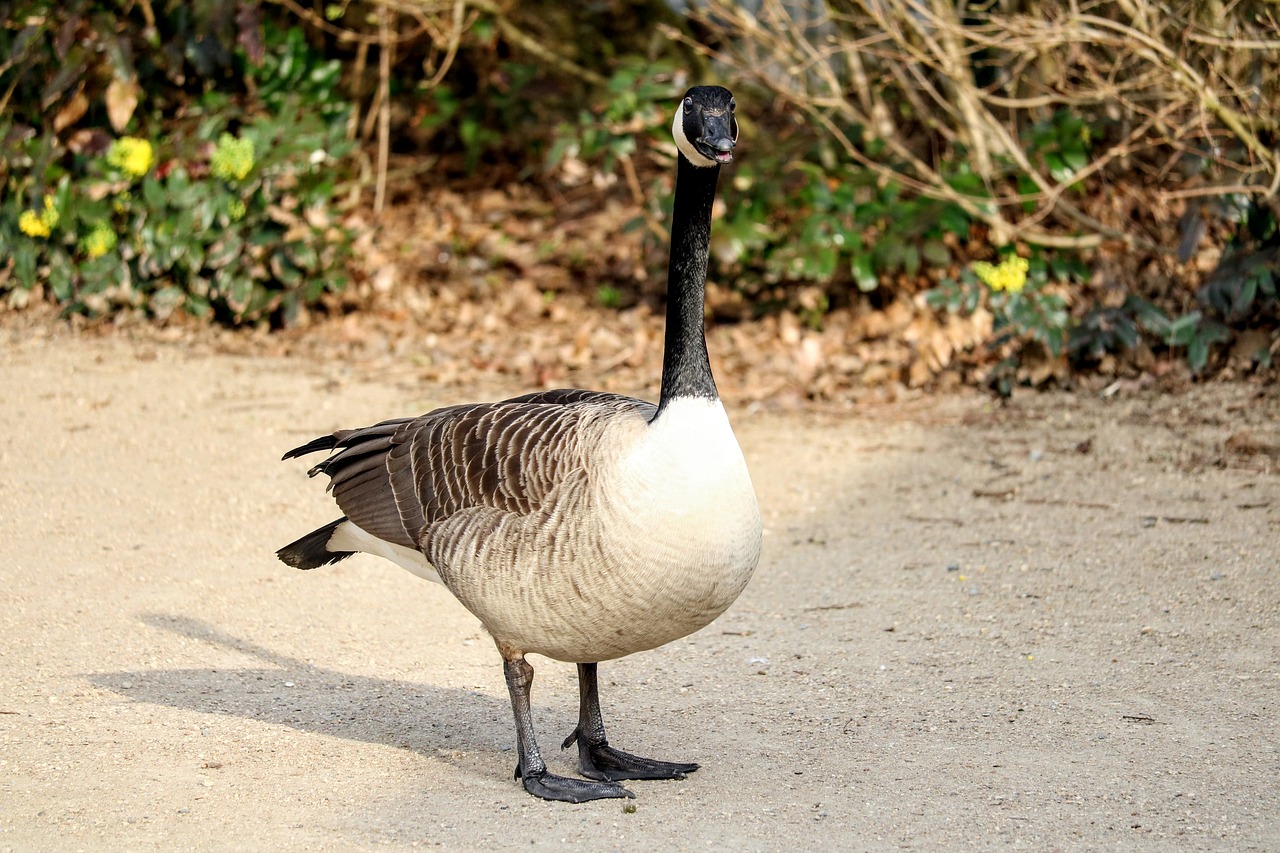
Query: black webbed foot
{"points": [[596, 758], [601, 761], [549, 786]]}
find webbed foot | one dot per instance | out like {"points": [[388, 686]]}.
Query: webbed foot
{"points": [[549, 786], [601, 761]]}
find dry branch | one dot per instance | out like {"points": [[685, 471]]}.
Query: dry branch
{"points": [[1173, 93]]}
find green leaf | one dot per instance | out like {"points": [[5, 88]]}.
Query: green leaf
{"points": [[1245, 296], [1054, 337], [864, 274], [1075, 157], [61, 275], [1197, 354], [304, 255], [166, 299], [911, 260], [1182, 330], [952, 218], [1058, 168], [24, 263], [154, 195], [935, 252], [889, 253], [238, 293], [1148, 316], [284, 270]]}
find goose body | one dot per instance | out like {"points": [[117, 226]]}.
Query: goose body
{"points": [[580, 525]]}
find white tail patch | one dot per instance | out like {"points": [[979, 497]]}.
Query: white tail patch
{"points": [[348, 537]]}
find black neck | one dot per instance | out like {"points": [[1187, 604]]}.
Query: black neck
{"points": [[686, 370]]}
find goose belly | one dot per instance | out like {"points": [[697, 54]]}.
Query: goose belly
{"points": [[660, 545], [603, 596]]}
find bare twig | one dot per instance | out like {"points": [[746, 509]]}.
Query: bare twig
{"points": [[531, 45], [905, 73], [384, 107]]}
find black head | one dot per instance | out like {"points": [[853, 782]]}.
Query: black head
{"points": [[705, 128]]}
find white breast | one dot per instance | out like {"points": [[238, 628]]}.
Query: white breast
{"points": [[688, 478]]}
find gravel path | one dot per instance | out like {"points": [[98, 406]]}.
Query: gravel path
{"points": [[1048, 625]]}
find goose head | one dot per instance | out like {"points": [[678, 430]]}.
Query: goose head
{"points": [[705, 128]]}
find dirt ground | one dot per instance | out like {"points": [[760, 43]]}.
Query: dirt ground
{"points": [[1049, 625]]}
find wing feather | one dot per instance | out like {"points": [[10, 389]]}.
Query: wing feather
{"points": [[396, 478]]}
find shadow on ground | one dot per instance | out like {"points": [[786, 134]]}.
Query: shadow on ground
{"points": [[442, 722]]}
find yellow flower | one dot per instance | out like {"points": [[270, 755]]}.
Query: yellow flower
{"points": [[99, 241], [232, 158], [131, 155], [236, 209], [33, 225], [50, 216], [1010, 275], [40, 224]]}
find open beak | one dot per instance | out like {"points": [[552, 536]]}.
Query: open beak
{"points": [[721, 149]]}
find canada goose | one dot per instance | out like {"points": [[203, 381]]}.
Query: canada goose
{"points": [[579, 525]]}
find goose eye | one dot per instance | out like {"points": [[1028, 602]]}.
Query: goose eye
{"points": [[733, 105], [688, 103]]}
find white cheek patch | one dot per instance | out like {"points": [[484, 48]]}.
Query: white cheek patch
{"points": [[683, 143]]}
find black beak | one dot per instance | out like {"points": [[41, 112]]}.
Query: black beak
{"points": [[718, 136]]}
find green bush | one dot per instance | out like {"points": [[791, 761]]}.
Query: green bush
{"points": [[222, 208]]}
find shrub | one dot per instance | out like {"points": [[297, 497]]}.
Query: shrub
{"points": [[224, 208]]}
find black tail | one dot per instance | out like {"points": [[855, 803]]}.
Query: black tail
{"points": [[324, 442], [312, 551]]}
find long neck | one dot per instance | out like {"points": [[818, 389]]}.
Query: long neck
{"points": [[686, 370]]}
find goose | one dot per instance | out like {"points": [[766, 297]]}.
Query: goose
{"points": [[578, 525]]}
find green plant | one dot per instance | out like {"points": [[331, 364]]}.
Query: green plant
{"points": [[1019, 295], [289, 69], [609, 296], [486, 121], [1106, 329], [240, 228], [847, 226], [633, 107], [224, 212], [1064, 144], [1197, 333]]}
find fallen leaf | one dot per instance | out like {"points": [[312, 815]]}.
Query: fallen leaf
{"points": [[122, 100], [71, 112]]}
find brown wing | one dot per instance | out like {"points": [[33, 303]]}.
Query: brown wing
{"points": [[396, 477]]}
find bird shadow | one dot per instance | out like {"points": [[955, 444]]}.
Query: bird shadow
{"points": [[463, 727]]}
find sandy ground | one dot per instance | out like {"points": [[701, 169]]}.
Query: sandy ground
{"points": [[1048, 625]]}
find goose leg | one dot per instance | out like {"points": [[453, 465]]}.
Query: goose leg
{"points": [[532, 769], [596, 758]]}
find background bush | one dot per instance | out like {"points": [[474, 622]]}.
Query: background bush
{"points": [[221, 203], [1126, 151]]}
